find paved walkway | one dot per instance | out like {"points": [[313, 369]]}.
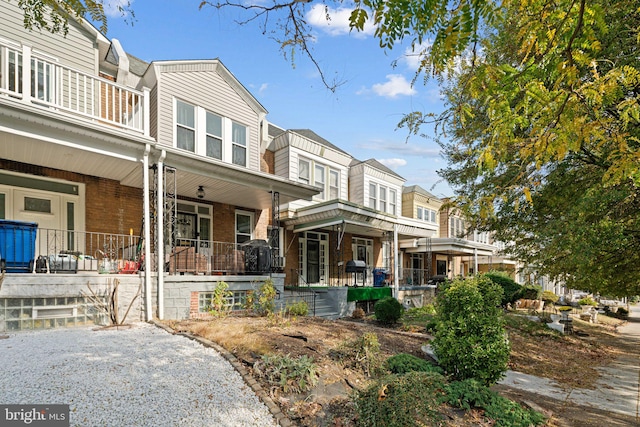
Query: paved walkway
{"points": [[615, 400]]}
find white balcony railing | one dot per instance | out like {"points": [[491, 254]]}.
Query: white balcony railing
{"points": [[51, 85]]}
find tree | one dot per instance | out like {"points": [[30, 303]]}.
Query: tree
{"points": [[53, 15], [543, 138]]}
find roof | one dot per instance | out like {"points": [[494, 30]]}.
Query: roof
{"points": [[274, 130], [376, 164], [308, 133], [419, 190]]}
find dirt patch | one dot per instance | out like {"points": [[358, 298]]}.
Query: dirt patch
{"points": [[568, 359]]}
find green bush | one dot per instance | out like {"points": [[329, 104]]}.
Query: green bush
{"points": [[470, 340], [587, 301], [300, 308], [388, 310], [219, 300], [470, 393], [402, 363], [511, 291], [406, 400], [622, 313], [266, 298], [531, 292], [549, 297]]}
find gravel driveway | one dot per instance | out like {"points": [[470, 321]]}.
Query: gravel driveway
{"points": [[142, 376]]}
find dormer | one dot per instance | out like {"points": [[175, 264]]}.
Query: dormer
{"points": [[374, 185], [420, 204]]}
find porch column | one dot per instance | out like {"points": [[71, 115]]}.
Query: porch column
{"points": [[396, 270], [475, 261], [147, 234], [160, 233]]}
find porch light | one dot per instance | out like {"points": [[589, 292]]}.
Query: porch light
{"points": [[200, 192]]}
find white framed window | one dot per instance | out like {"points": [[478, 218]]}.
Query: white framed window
{"points": [[419, 212], [185, 126], [214, 136], [392, 201], [373, 196], [304, 171], [334, 184], [433, 217], [319, 179], [239, 144], [244, 226], [383, 199]]}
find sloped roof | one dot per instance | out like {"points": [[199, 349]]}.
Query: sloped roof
{"points": [[376, 164], [274, 130], [308, 133], [419, 190]]}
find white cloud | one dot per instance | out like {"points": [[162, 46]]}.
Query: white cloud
{"points": [[393, 163], [335, 22], [263, 88], [115, 8], [412, 57], [396, 85]]}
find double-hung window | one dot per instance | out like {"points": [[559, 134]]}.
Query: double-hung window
{"points": [[239, 144], [373, 196], [334, 184], [244, 227], [419, 213], [392, 201], [214, 136], [185, 126], [383, 199], [319, 179], [304, 171]]}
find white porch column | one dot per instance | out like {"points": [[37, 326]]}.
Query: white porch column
{"points": [[160, 234], [147, 234], [396, 270], [475, 261]]}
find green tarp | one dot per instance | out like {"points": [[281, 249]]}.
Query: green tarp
{"points": [[367, 293]]}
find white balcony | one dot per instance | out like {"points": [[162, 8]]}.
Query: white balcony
{"points": [[54, 86]]}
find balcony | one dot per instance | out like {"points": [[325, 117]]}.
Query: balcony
{"points": [[51, 85]]}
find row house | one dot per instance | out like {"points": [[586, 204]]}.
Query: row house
{"points": [[110, 165]]}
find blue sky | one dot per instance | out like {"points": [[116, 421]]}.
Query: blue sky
{"points": [[360, 116]]}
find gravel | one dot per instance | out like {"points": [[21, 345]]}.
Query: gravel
{"points": [[141, 376]]}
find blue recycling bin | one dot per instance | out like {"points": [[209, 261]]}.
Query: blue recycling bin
{"points": [[379, 277], [17, 245]]}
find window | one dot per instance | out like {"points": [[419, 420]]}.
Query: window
{"points": [[392, 202], [433, 216], [304, 174], [373, 198], [42, 86], [334, 184], [419, 215], [214, 136], [239, 144], [319, 179], [244, 227], [32, 204], [383, 199], [185, 126], [235, 300]]}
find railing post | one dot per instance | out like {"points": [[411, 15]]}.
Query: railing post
{"points": [[26, 73]]}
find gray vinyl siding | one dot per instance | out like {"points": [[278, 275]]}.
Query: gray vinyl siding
{"points": [[202, 86], [76, 50]]}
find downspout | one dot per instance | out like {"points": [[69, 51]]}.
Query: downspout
{"points": [[160, 234], [396, 282], [147, 234]]}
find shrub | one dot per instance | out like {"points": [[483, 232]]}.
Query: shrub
{"points": [[511, 291], [401, 401], [402, 363], [468, 394], [362, 353], [219, 307], [531, 292], [587, 301], [266, 298], [300, 308], [549, 297], [622, 313], [470, 338], [358, 313], [290, 374], [388, 310]]}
